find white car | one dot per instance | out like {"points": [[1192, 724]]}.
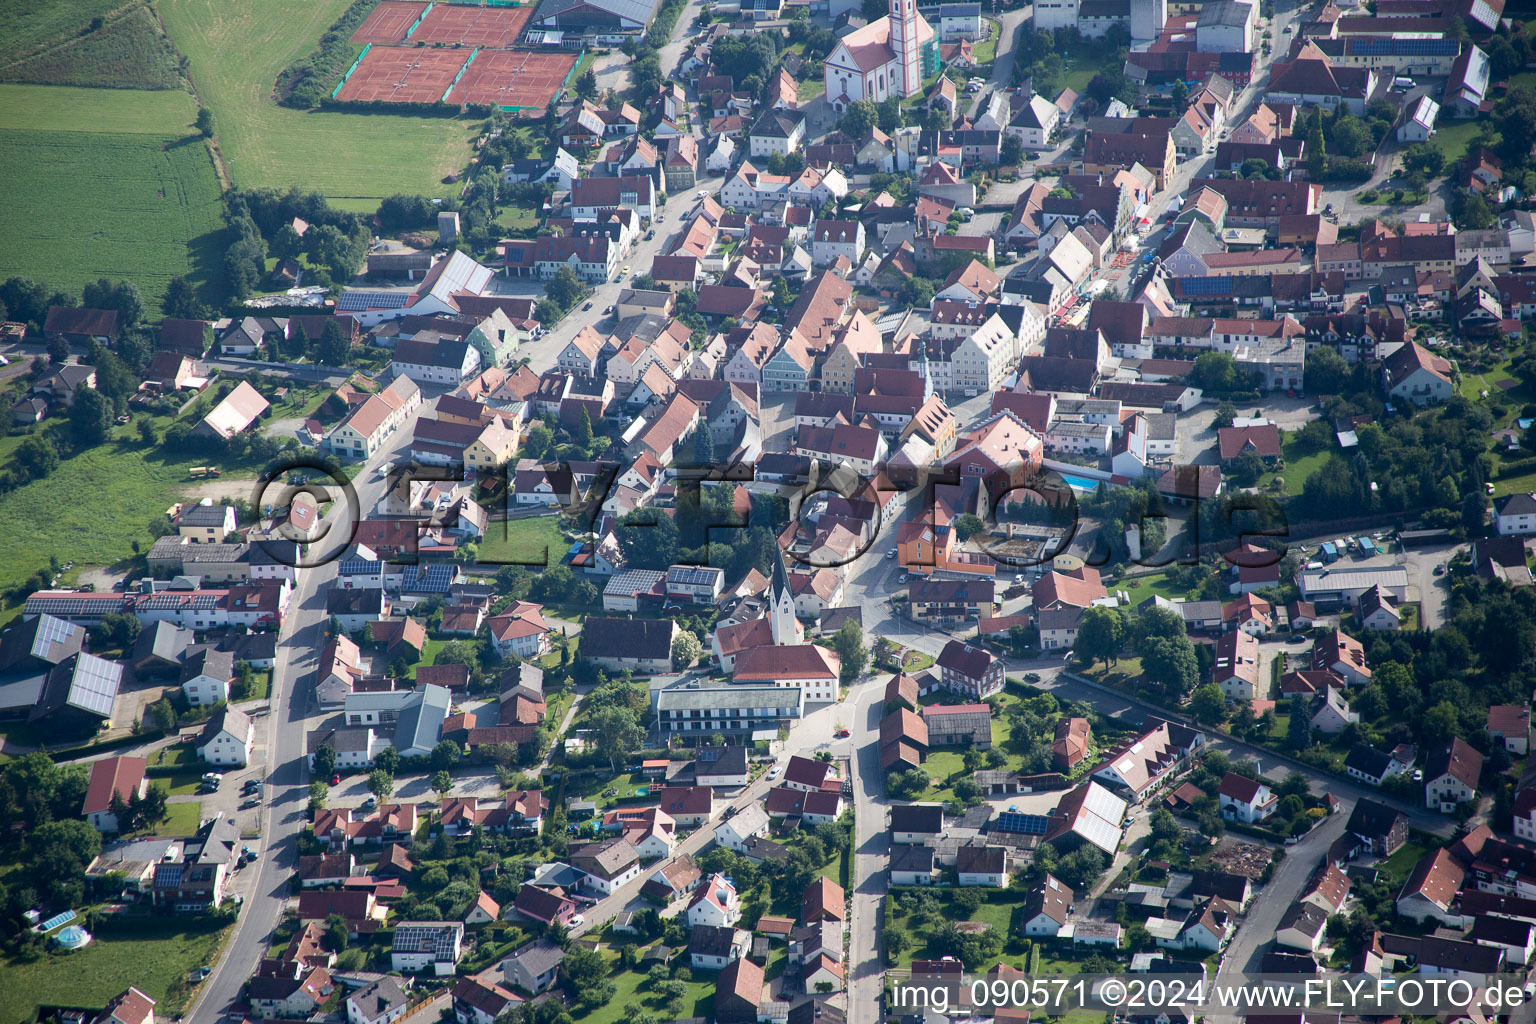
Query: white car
{"points": [[701, 193], [577, 920], [773, 772]]}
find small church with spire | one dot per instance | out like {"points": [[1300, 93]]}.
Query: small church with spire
{"points": [[888, 57], [781, 604]]}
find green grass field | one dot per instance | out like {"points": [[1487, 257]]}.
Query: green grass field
{"points": [[180, 820], [128, 53], [153, 954], [96, 505], [632, 988], [30, 25], [1452, 139], [138, 208], [235, 53], [524, 541], [165, 113]]}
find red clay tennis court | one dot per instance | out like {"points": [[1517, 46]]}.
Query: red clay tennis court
{"points": [[510, 78], [403, 74], [389, 22], [466, 25]]}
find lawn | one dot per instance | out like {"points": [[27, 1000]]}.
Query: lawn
{"points": [[1144, 585], [234, 54], [985, 51], [1298, 464], [1453, 139], [535, 541], [153, 954], [1400, 864], [145, 198], [996, 910], [810, 89], [631, 989], [184, 781], [517, 221], [181, 819]]}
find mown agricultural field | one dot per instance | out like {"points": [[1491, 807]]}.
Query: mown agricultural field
{"points": [[90, 203], [235, 50], [130, 52]]}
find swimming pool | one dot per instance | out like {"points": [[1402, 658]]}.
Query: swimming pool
{"points": [[73, 937], [1078, 483]]}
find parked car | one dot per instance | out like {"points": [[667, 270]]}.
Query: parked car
{"points": [[1031, 677], [254, 801], [841, 734]]}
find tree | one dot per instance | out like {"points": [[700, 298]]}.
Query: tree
{"points": [[122, 296], [387, 760], [584, 429], [90, 418], [619, 733], [1100, 635], [858, 119], [1226, 412], [1317, 151], [336, 933], [1299, 730], [1012, 151], [1209, 704], [586, 85], [703, 447], [381, 784], [37, 455], [325, 761], [442, 782], [1179, 93], [967, 526], [565, 288], [1471, 211], [848, 642], [333, 347], [445, 755], [1326, 372], [180, 301], [1170, 665], [685, 649], [584, 967]]}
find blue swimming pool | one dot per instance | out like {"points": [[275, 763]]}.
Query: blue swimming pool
{"points": [[1078, 483]]}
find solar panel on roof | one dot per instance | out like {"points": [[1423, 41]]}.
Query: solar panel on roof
{"points": [[94, 686], [1206, 285], [692, 577], [354, 301], [1027, 824], [50, 632], [1390, 47]]}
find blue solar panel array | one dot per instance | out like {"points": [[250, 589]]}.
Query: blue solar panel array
{"points": [[372, 300], [1028, 824], [1206, 285], [1404, 47]]}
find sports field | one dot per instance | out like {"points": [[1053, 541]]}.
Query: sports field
{"points": [[403, 74], [389, 22], [106, 182], [236, 48], [513, 78], [463, 25]]}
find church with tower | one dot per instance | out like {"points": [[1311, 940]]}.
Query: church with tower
{"points": [[888, 57]]}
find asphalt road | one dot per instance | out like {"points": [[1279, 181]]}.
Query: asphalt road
{"points": [[267, 884]]}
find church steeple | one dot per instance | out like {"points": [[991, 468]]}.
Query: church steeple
{"points": [[781, 602], [909, 77]]}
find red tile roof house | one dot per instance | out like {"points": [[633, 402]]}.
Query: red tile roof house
{"points": [[812, 776], [114, 777], [1511, 723], [549, 905], [969, 671], [1451, 775], [1245, 800], [823, 901], [689, 806], [1432, 888], [1262, 441]]}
